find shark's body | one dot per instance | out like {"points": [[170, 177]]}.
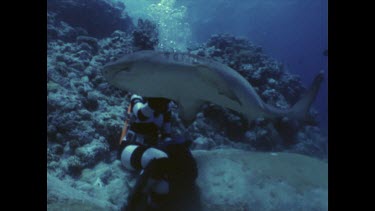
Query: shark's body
{"points": [[192, 81]]}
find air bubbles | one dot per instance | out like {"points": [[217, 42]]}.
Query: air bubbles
{"points": [[174, 31]]}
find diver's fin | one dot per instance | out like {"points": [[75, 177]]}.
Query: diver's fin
{"points": [[188, 111], [210, 77]]}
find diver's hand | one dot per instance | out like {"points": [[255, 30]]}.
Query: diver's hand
{"points": [[167, 140], [135, 99], [120, 148]]}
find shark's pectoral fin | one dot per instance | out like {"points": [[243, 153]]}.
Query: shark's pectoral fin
{"points": [[188, 111], [222, 86]]}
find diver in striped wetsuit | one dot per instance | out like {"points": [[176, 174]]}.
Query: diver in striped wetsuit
{"points": [[165, 164]]}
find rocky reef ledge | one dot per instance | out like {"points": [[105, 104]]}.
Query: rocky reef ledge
{"points": [[229, 179]]}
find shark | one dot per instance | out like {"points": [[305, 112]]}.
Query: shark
{"points": [[192, 81]]}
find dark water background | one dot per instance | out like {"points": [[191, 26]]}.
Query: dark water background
{"points": [[294, 32]]}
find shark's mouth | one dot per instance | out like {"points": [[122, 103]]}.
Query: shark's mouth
{"points": [[112, 80]]}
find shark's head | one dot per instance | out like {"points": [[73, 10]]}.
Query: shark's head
{"points": [[132, 71], [123, 66]]}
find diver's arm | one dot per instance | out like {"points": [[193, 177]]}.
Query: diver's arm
{"points": [[166, 128], [140, 108]]}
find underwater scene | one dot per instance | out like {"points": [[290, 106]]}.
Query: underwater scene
{"points": [[189, 105]]}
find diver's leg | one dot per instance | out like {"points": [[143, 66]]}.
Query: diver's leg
{"points": [[159, 184], [152, 184], [154, 163]]}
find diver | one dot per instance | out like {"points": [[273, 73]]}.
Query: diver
{"points": [[166, 165]]}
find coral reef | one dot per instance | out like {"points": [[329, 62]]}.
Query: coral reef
{"points": [[99, 18], [145, 37], [84, 114], [98, 189], [60, 29]]}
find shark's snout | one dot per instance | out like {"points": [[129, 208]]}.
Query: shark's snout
{"points": [[104, 71], [109, 72]]}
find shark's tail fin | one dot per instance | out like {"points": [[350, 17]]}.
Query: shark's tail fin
{"points": [[300, 109]]}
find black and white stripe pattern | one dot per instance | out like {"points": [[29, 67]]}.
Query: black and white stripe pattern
{"points": [[137, 157], [145, 114]]}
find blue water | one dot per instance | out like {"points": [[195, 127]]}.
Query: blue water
{"points": [[294, 32]]}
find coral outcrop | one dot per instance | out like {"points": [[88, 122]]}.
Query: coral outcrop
{"points": [[228, 179]]}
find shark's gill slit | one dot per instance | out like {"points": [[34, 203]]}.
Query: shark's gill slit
{"points": [[126, 69]]}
